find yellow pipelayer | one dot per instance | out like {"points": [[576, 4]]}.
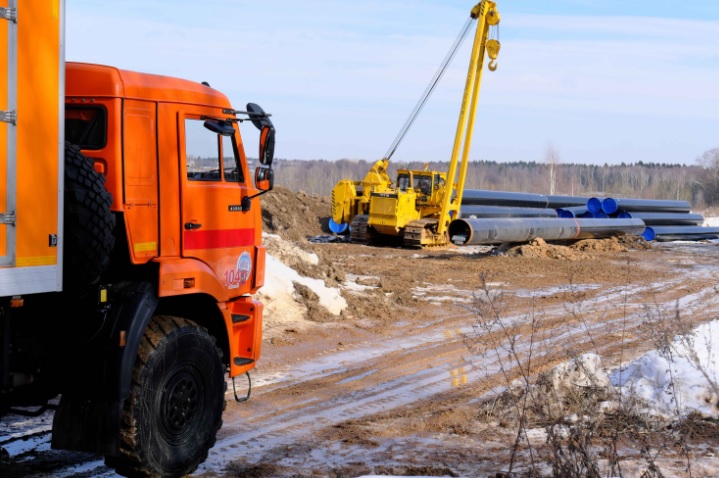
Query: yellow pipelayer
{"points": [[417, 208]]}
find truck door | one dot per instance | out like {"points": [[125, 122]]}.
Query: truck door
{"points": [[215, 229]]}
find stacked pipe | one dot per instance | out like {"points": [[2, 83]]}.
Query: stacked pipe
{"points": [[663, 219], [493, 217], [666, 220]]}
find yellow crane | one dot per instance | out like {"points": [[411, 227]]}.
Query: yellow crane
{"points": [[416, 209]]}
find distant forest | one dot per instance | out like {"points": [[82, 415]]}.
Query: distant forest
{"points": [[698, 184]]}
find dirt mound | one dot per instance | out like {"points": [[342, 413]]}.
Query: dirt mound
{"points": [[295, 216], [538, 248], [575, 251]]}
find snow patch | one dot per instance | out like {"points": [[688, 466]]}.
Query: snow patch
{"points": [[682, 378]]}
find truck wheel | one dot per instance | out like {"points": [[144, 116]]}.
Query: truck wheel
{"points": [[89, 223], [174, 411]]}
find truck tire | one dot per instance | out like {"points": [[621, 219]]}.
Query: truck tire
{"points": [[177, 397], [89, 222]]}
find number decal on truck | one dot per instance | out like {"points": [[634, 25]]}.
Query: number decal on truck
{"points": [[238, 276]]}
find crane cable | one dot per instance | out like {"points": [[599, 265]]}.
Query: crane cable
{"points": [[430, 87]]}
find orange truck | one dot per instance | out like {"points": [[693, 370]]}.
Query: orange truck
{"points": [[130, 250]]}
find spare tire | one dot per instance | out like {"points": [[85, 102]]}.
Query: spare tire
{"points": [[89, 223]]}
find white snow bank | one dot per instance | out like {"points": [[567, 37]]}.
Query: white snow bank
{"points": [[278, 293], [279, 287], [683, 378], [586, 371], [670, 383]]}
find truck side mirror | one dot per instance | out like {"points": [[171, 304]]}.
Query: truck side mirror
{"points": [[258, 116], [264, 178], [267, 145], [220, 127]]}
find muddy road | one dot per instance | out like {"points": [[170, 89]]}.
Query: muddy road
{"points": [[408, 378]]}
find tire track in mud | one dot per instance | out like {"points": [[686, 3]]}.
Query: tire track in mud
{"points": [[376, 378], [293, 406]]}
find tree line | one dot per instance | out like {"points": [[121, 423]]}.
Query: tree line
{"points": [[698, 184]]}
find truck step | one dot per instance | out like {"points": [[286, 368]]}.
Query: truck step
{"points": [[237, 318]]}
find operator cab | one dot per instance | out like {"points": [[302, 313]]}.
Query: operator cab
{"points": [[415, 180], [424, 184], [404, 182]]}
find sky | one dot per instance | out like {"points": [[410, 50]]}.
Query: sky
{"points": [[596, 81]]}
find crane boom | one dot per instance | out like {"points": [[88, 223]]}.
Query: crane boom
{"points": [[430, 87], [487, 15]]}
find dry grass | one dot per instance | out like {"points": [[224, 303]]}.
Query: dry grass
{"points": [[589, 427]]}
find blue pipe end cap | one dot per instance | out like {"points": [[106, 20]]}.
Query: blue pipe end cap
{"points": [[337, 228], [648, 234], [610, 205], [594, 205]]}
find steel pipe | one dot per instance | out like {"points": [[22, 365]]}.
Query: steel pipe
{"points": [[614, 205], [573, 211], [680, 232], [479, 197], [665, 218], [686, 237], [557, 201], [496, 231], [505, 211]]}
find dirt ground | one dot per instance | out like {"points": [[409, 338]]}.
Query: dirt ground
{"points": [[432, 328], [395, 274], [417, 376]]}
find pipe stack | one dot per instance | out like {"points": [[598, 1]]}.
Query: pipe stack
{"points": [[663, 219], [666, 220]]}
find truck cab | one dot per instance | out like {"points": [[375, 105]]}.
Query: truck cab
{"points": [[136, 231]]}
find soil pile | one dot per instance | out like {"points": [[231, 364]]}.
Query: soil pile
{"points": [[295, 216]]}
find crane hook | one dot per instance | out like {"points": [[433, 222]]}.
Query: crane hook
{"points": [[492, 51]]}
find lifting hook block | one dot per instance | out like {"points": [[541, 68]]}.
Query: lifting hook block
{"points": [[492, 51]]}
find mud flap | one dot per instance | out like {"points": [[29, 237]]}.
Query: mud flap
{"points": [[93, 424]]}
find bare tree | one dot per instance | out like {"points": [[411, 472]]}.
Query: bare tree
{"points": [[709, 181], [551, 157]]}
